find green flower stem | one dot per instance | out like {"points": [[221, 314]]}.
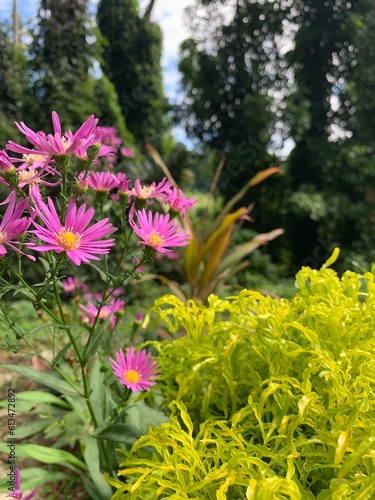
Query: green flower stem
{"points": [[125, 396], [85, 379], [107, 295], [79, 356], [19, 277], [63, 165]]}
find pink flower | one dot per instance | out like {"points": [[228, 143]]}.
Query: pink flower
{"points": [[97, 137], [115, 305], [135, 371], [6, 164], [177, 201], [123, 184], [56, 143], [170, 255], [158, 231], [128, 153], [143, 192], [116, 292], [72, 284], [123, 191], [136, 260], [102, 181], [29, 176], [81, 186], [32, 161], [13, 225], [17, 493], [139, 317], [80, 243], [109, 135]]}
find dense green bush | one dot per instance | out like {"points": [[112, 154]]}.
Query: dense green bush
{"points": [[269, 399]]}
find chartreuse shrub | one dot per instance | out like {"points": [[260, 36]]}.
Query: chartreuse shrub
{"points": [[269, 399]]}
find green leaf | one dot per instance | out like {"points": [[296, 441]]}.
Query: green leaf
{"points": [[242, 250], [35, 476], [140, 416], [95, 339], [26, 292], [355, 457], [45, 379], [92, 490], [33, 427], [36, 397], [258, 177], [92, 459], [331, 260], [46, 454], [119, 433], [61, 353], [192, 259]]}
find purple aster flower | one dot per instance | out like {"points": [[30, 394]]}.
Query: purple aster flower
{"points": [[135, 371], [32, 161], [128, 153], [123, 184], [115, 305], [13, 225], [17, 493], [109, 135], [73, 284], [158, 231], [27, 176], [6, 164], [80, 243], [143, 192], [57, 143], [97, 138], [177, 202], [102, 181]]}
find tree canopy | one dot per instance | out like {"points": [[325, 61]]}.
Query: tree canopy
{"points": [[132, 61]]}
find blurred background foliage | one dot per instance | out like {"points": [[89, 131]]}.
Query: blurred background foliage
{"points": [[286, 83]]}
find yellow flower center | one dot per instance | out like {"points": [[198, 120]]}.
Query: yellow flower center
{"points": [[25, 175], [31, 159], [3, 237], [66, 143], [144, 192], [68, 240], [104, 313], [155, 240], [132, 376]]}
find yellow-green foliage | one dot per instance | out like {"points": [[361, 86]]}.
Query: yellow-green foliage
{"points": [[269, 399]]}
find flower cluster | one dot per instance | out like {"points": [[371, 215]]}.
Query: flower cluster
{"points": [[103, 312], [53, 184], [91, 230]]}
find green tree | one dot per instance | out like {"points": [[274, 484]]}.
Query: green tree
{"points": [[360, 147], [61, 59], [131, 60], [108, 109], [13, 85], [323, 204], [228, 71]]}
